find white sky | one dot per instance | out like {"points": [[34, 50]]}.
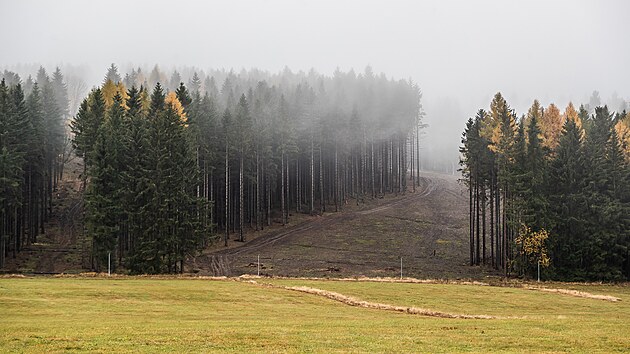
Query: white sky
{"points": [[460, 52]]}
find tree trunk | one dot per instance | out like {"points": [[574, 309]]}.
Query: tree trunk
{"points": [[257, 191], [418, 154], [492, 262], [471, 219], [321, 183], [227, 195], [336, 182], [312, 178], [240, 200], [483, 218], [282, 201], [477, 222], [298, 200]]}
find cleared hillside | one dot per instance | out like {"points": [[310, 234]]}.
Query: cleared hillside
{"points": [[428, 228]]}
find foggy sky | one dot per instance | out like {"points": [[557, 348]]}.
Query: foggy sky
{"points": [[459, 52]]}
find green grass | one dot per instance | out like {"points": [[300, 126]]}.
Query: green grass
{"points": [[195, 315]]}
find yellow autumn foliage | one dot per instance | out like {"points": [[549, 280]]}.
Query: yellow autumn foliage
{"points": [[534, 111], [623, 133], [172, 100], [571, 114], [532, 245], [551, 126], [145, 101], [491, 125], [110, 90]]}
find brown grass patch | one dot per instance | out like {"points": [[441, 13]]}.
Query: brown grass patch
{"points": [[575, 293], [12, 276], [352, 301]]}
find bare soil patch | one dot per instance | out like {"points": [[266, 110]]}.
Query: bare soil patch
{"points": [[427, 228]]}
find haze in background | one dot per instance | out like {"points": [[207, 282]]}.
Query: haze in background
{"points": [[460, 52]]}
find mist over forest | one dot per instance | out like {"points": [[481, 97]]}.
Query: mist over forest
{"points": [[366, 176], [263, 108], [459, 54]]}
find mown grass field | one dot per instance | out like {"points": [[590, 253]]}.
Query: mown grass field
{"points": [[200, 315]]}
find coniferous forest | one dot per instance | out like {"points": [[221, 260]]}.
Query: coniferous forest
{"points": [[170, 167], [549, 188], [33, 149]]}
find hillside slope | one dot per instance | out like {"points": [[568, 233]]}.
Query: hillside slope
{"points": [[427, 228], [61, 248]]}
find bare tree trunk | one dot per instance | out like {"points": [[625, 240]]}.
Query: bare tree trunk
{"points": [[471, 219], [282, 201], [336, 182], [372, 168], [211, 196], [268, 201], [492, 262], [390, 161], [380, 167], [287, 191], [257, 190], [506, 230], [477, 216], [483, 221], [418, 154], [240, 199], [298, 192], [497, 212], [321, 183], [413, 161], [312, 177], [227, 195]]}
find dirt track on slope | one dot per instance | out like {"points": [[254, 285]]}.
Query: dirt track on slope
{"points": [[58, 249], [427, 228]]}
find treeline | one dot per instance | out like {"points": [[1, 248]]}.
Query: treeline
{"points": [[171, 170], [33, 149], [550, 188]]}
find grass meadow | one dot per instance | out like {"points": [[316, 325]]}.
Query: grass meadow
{"points": [[140, 314]]}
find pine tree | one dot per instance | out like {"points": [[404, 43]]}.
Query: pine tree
{"points": [[536, 208], [183, 96], [569, 205], [622, 130], [227, 136], [105, 195], [175, 82], [243, 124], [112, 75], [551, 124], [607, 211], [195, 83], [35, 170], [85, 127], [12, 151]]}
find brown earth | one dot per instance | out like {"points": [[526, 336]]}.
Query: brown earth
{"points": [[428, 228]]}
